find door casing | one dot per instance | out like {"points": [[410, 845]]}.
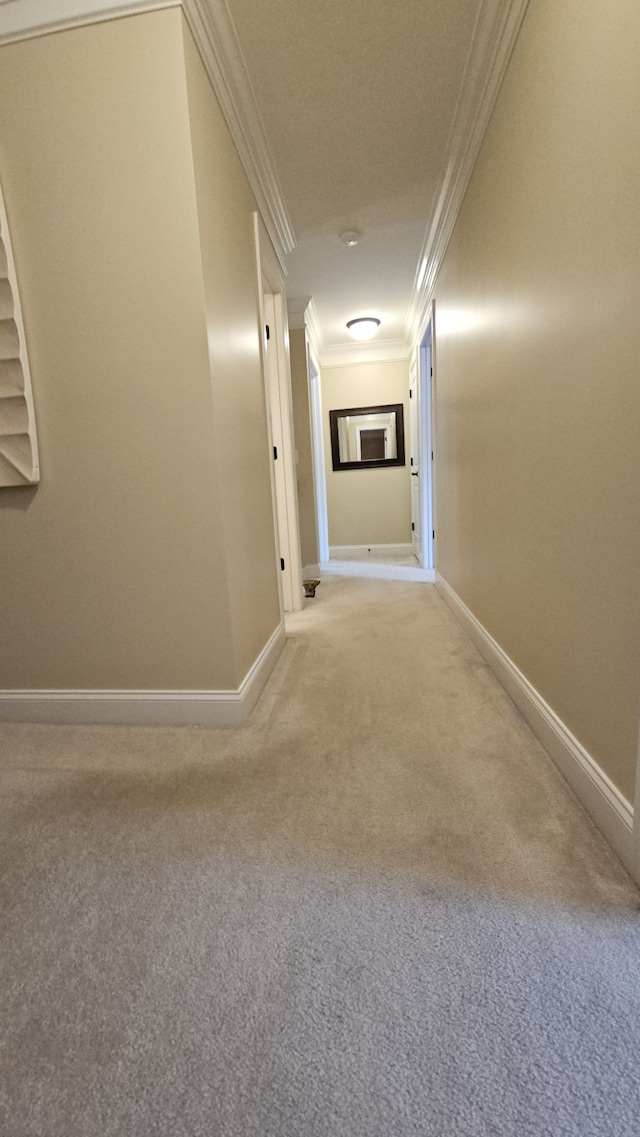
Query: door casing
{"points": [[277, 377]]}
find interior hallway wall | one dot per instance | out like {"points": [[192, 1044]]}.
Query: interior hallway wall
{"points": [[115, 570], [537, 365], [302, 431], [367, 507], [225, 213]]}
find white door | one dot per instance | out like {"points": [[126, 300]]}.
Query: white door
{"points": [[425, 400], [317, 445], [277, 378], [414, 458], [279, 402], [278, 469], [420, 435]]}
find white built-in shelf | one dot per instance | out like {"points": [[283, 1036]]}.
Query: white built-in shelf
{"points": [[18, 443]]}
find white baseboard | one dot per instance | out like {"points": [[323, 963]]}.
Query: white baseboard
{"points": [[371, 570], [375, 571], [147, 708], [612, 813], [344, 552]]}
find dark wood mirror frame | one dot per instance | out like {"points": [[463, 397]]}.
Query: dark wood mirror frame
{"points": [[367, 464]]}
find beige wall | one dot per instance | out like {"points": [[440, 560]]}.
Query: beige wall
{"points": [[114, 572], [367, 507], [302, 432], [225, 212], [537, 367]]}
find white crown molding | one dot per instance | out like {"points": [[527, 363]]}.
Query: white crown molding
{"points": [[297, 311], [26, 19], [344, 354], [495, 35], [272, 269], [373, 351], [494, 38], [610, 810], [212, 28], [295, 320], [147, 708], [315, 337]]}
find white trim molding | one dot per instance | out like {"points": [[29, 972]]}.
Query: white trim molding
{"points": [[314, 331], [612, 813], [215, 36], [317, 451], [376, 571], [494, 38], [344, 552], [375, 351], [147, 708], [26, 19]]}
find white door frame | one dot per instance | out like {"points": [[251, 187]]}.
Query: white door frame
{"points": [[277, 375], [415, 451], [317, 448], [426, 372]]}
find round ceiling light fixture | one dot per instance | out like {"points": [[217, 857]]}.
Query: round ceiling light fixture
{"points": [[349, 237], [364, 327]]}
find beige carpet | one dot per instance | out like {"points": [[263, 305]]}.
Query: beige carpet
{"points": [[376, 910]]}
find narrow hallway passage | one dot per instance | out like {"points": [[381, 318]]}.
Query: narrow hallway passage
{"points": [[376, 909]]}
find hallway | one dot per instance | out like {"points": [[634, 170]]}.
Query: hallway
{"points": [[376, 909]]}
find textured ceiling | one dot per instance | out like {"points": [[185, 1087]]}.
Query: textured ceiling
{"points": [[357, 99]]}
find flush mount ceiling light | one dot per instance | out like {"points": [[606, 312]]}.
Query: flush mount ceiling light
{"points": [[349, 237], [364, 327]]}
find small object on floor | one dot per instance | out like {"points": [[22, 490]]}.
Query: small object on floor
{"points": [[310, 587]]}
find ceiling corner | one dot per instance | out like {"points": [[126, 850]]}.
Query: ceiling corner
{"points": [[212, 28], [27, 19], [495, 35], [314, 330], [381, 351]]}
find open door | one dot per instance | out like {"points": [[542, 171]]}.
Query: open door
{"points": [[277, 378], [415, 461], [420, 434], [281, 416]]}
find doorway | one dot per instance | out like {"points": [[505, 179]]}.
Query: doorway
{"points": [[277, 378], [422, 454], [317, 451], [410, 561], [281, 418]]}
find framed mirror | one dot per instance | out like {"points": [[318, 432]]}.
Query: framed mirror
{"points": [[365, 437]]}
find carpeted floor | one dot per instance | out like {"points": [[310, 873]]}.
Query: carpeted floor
{"points": [[375, 911]]}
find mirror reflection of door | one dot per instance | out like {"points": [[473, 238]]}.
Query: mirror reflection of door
{"points": [[365, 436], [372, 444]]}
